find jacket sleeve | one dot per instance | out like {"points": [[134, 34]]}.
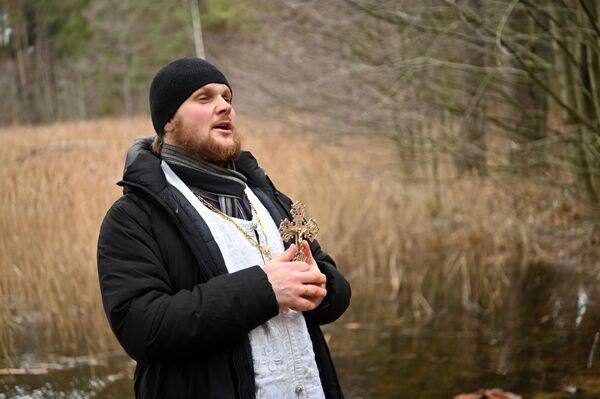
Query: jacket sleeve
{"points": [[339, 292], [151, 320]]}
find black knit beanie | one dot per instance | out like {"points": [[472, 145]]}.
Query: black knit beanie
{"points": [[174, 83]]}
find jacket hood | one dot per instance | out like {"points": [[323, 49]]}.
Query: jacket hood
{"points": [[142, 167]]}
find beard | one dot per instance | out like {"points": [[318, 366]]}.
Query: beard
{"points": [[208, 149]]}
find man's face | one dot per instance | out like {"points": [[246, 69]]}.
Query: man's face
{"points": [[204, 125]]}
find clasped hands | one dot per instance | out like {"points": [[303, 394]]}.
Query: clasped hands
{"points": [[298, 286]]}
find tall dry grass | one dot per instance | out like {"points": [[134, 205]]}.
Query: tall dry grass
{"points": [[57, 182], [418, 244]]}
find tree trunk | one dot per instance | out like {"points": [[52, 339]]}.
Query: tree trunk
{"points": [[44, 86], [472, 147], [20, 43], [530, 117], [197, 28]]}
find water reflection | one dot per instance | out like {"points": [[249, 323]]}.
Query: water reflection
{"points": [[106, 375], [539, 344], [582, 300]]}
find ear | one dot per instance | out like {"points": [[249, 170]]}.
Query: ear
{"points": [[169, 126]]}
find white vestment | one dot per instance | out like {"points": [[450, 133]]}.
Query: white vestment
{"points": [[282, 352]]}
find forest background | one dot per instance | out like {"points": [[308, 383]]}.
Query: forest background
{"points": [[500, 87], [446, 145]]}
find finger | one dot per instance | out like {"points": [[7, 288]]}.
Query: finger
{"points": [[298, 266], [288, 254], [307, 252], [303, 305], [322, 279], [313, 276], [311, 290]]}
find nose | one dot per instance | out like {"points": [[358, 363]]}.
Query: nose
{"points": [[223, 106]]}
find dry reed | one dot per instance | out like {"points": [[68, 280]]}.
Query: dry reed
{"points": [[400, 239]]}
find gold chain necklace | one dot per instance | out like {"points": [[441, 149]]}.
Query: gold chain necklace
{"points": [[263, 249]]}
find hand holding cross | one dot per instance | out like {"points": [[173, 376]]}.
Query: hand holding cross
{"points": [[298, 229], [299, 285]]}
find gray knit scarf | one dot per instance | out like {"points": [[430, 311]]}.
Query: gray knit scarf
{"points": [[222, 186]]}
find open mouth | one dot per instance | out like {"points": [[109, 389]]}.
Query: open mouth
{"points": [[224, 125]]}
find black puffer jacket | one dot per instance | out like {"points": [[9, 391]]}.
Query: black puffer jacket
{"points": [[170, 301]]}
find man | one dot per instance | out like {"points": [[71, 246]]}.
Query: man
{"points": [[196, 282]]}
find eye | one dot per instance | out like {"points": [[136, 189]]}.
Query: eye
{"points": [[228, 99]]}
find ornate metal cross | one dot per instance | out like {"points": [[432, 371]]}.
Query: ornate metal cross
{"points": [[298, 229]]}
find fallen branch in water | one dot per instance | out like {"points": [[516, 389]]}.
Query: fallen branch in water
{"points": [[591, 355], [23, 371]]}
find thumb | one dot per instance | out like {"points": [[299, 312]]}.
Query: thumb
{"points": [[288, 254]]}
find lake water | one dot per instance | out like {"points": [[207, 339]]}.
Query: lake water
{"points": [[539, 344]]}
